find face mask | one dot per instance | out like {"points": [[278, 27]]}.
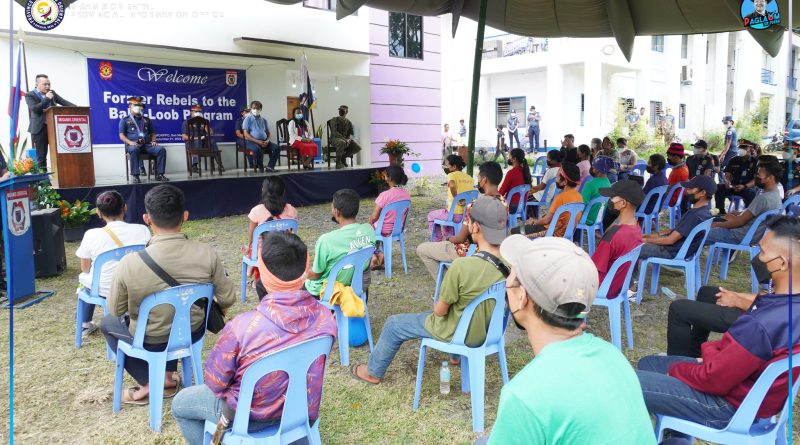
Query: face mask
{"points": [[446, 170], [480, 188], [672, 162], [298, 116], [136, 109], [692, 198], [195, 114], [650, 170], [550, 164], [255, 112], [592, 173], [741, 152], [516, 323], [561, 185], [698, 153], [758, 183], [763, 274], [333, 218]]}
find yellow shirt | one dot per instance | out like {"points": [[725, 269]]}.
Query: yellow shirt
{"points": [[463, 183]]}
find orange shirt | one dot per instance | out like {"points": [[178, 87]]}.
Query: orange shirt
{"points": [[568, 196]]}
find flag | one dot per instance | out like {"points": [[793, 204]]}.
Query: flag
{"points": [[307, 101], [13, 104]]}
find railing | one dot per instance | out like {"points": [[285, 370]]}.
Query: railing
{"points": [[507, 45], [767, 76]]}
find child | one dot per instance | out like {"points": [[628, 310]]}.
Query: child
{"points": [[396, 178], [457, 182], [273, 202]]}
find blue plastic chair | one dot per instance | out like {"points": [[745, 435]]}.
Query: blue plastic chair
{"points": [[294, 425], [276, 225], [736, 202], [647, 219], [583, 182], [548, 186], [401, 210], [791, 206], [589, 230], [520, 191], [748, 244], [674, 211], [613, 302], [638, 169], [468, 197], [443, 265], [357, 260], [539, 168], [744, 426], [690, 263], [92, 296], [179, 345], [574, 210], [473, 360]]}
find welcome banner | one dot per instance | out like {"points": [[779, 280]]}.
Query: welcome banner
{"points": [[169, 92]]}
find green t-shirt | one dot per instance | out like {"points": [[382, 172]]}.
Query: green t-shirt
{"points": [[467, 279], [590, 191], [578, 391], [332, 246]]}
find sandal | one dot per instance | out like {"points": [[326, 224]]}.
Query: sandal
{"points": [[354, 374], [171, 391], [127, 397]]}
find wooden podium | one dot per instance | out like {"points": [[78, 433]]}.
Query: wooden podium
{"points": [[70, 140]]}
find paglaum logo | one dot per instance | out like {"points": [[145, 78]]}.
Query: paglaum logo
{"points": [[44, 15], [760, 14], [106, 70]]}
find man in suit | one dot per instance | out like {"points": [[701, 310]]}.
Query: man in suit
{"points": [[38, 101]]}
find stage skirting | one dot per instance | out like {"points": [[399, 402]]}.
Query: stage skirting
{"points": [[234, 193]]}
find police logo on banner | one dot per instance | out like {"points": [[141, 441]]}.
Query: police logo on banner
{"points": [[760, 14], [19, 212], [44, 15], [231, 77], [73, 134]]}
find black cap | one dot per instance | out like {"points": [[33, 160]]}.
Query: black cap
{"points": [[626, 189], [702, 182], [700, 144]]}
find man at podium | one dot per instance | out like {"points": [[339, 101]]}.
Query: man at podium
{"points": [[135, 130], [38, 101]]}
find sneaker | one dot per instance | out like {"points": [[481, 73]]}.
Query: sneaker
{"points": [[632, 296], [162, 178], [142, 171], [135, 179], [195, 168], [270, 170], [89, 329]]}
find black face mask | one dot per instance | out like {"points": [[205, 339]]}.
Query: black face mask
{"points": [[650, 170], [592, 173], [481, 190], [561, 185], [758, 183], [692, 198], [516, 323], [763, 274], [333, 218], [446, 170], [550, 164]]}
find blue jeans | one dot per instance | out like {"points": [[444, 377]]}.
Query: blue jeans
{"points": [[533, 138], [258, 153], [158, 151], [669, 396], [721, 235], [397, 330], [511, 136], [194, 405]]}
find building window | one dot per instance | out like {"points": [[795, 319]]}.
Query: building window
{"points": [[682, 116], [503, 107], [655, 112], [405, 35], [583, 107], [626, 104], [657, 43], [684, 47], [328, 5]]}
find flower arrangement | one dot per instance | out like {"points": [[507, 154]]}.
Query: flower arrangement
{"points": [[396, 148], [75, 214], [22, 166], [379, 180]]}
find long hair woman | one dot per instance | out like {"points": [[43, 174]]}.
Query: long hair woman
{"points": [[300, 138]]}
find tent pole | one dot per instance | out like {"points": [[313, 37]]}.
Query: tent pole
{"points": [[11, 164], [476, 86], [789, 106]]}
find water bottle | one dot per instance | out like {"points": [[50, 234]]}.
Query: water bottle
{"points": [[668, 293], [444, 378]]}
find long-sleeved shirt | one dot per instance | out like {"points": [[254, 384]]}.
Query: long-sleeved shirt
{"points": [[188, 262], [281, 319], [731, 366], [513, 178], [656, 180]]}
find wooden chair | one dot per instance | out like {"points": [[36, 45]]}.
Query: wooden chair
{"points": [[143, 156], [287, 151], [199, 144], [241, 147], [330, 150]]}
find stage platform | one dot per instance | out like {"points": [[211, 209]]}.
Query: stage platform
{"points": [[233, 193]]}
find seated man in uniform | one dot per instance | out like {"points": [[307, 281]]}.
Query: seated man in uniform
{"points": [[240, 140], [197, 111], [136, 131], [342, 137], [739, 175]]}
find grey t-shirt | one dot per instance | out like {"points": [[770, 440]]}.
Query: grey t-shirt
{"points": [[764, 202]]}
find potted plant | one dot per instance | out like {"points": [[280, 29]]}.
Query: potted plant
{"points": [[396, 149], [379, 180], [22, 166], [75, 215]]}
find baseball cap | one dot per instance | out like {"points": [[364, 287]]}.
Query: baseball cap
{"points": [[343, 107], [700, 144], [554, 272], [727, 118], [626, 189], [701, 182], [747, 143], [492, 215], [603, 164], [676, 149], [196, 108]]}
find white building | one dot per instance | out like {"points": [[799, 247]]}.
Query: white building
{"points": [[577, 84]]}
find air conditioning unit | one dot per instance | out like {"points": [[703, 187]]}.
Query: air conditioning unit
{"points": [[687, 74]]}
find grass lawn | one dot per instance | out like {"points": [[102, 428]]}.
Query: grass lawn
{"points": [[64, 395]]}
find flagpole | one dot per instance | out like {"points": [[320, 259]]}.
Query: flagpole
{"points": [[8, 288]]}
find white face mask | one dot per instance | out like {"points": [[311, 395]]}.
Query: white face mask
{"points": [[741, 152], [698, 152], [255, 112], [136, 109], [195, 113], [298, 116]]}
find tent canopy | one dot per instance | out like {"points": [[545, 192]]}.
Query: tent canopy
{"points": [[621, 19]]}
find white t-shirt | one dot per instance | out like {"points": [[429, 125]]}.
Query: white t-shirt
{"points": [[551, 173], [97, 241]]}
